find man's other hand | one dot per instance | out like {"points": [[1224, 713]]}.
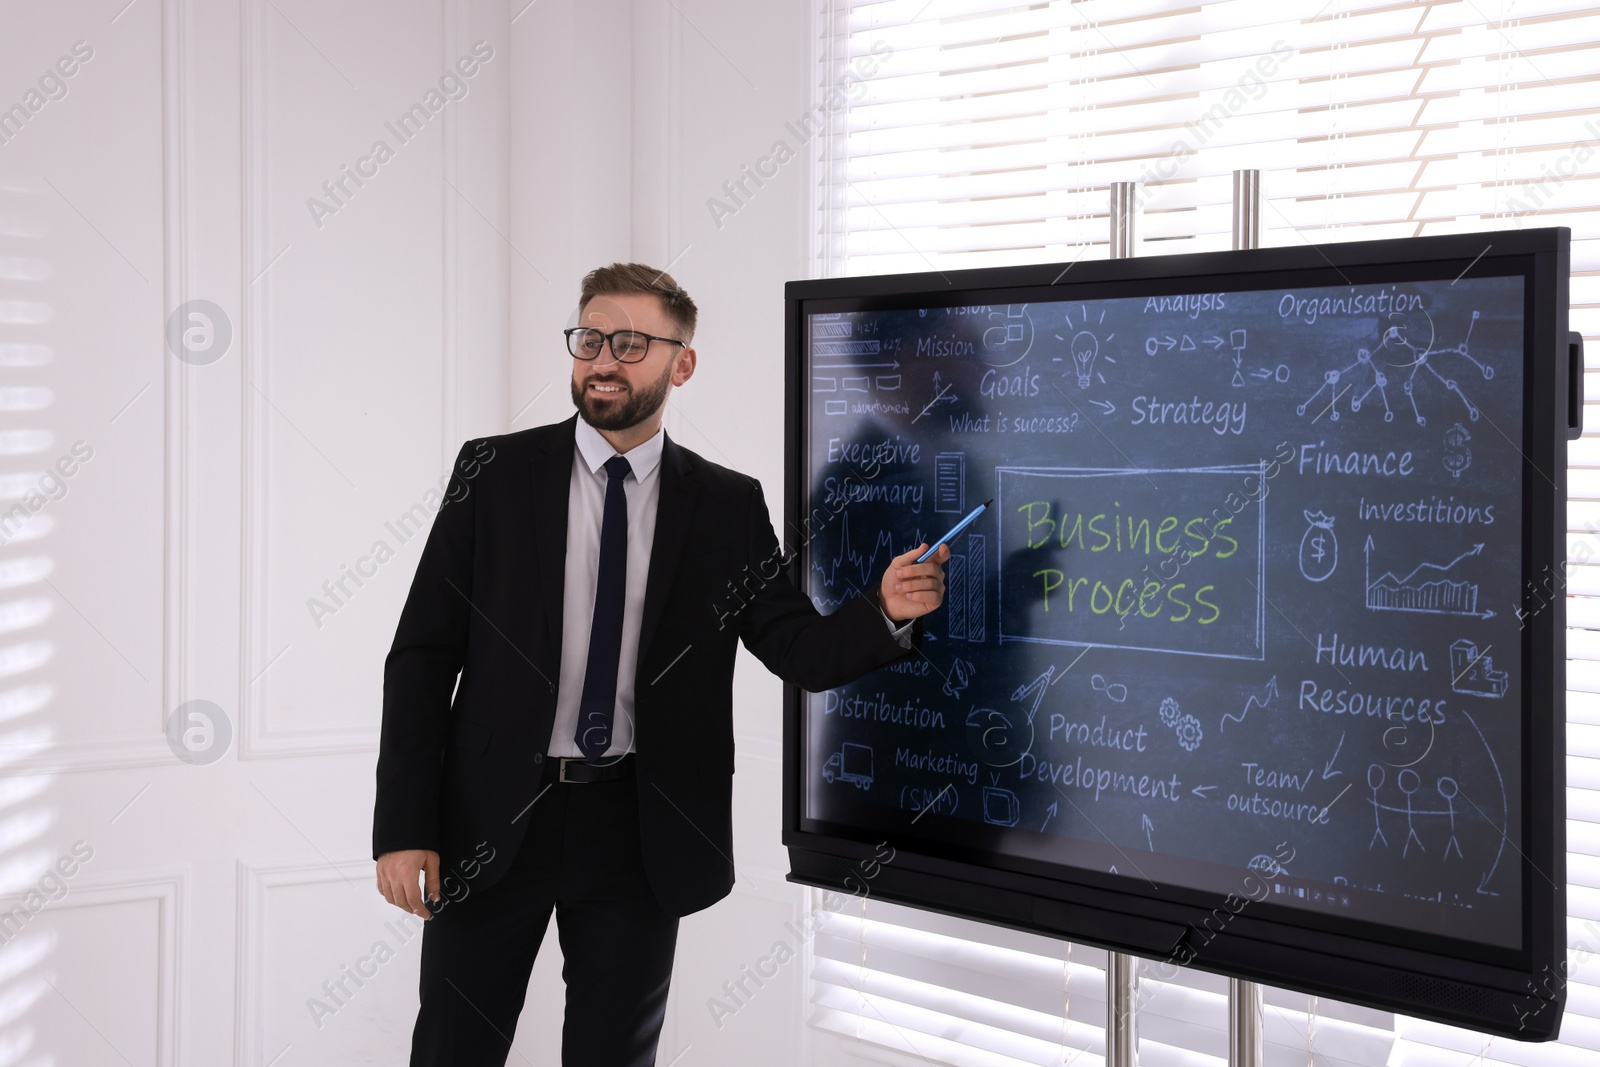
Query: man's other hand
{"points": [[910, 589], [397, 879]]}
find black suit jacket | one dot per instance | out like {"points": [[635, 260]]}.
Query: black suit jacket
{"points": [[458, 765]]}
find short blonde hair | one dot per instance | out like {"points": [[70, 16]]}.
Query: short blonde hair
{"points": [[620, 279]]}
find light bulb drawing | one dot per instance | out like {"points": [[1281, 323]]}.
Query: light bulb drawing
{"points": [[1085, 347]]}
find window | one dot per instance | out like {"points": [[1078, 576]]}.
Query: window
{"points": [[971, 133]]}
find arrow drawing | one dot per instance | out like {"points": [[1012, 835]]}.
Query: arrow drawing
{"points": [[1214, 342], [856, 366], [1327, 768], [1504, 809], [1144, 821], [1200, 791], [936, 398], [1106, 407], [1253, 701], [1049, 813]]}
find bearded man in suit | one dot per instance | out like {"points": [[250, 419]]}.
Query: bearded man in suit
{"points": [[558, 701]]}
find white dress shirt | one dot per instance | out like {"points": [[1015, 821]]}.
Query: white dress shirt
{"points": [[586, 505]]}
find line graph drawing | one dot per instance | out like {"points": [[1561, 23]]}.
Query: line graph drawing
{"points": [[1398, 350], [1428, 588], [1252, 701], [864, 563]]}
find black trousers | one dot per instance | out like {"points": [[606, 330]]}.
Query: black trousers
{"points": [[581, 858]]}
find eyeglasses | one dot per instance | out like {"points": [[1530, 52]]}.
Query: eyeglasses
{"points": [[627, 346]]}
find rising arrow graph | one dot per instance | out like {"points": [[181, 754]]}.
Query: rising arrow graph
{"points": [[1426, 589], [1252, 701]]}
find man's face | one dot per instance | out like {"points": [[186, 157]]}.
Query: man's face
{"points": [[618, 396]]}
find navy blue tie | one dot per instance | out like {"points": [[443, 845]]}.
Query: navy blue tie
{"points": [[598, 708]]}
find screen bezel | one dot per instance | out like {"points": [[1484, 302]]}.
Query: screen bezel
{"points": [[1265, 941]]}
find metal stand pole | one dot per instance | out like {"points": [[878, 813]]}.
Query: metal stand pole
{"points": [[1244, 1023], [1246, 209], [1124, 214], [1244, 998], [1122, 1018], [1122, 970]]}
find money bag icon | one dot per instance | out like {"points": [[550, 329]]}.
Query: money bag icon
{"points": [[1319, 549]]}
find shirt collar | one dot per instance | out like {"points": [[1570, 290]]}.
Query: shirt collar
{"points": [[643, 458]]}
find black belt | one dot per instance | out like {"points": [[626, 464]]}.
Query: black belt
{"points": [[575, 770]]}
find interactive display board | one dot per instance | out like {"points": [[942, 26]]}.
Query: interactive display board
{"points": [[1253, 617]]}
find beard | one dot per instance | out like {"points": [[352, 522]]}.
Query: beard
{"points": [[628, 410]]}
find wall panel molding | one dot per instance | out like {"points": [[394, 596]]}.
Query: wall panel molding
{"points": [[255, 882], [148, 747], [167, 888], [258, 737]]}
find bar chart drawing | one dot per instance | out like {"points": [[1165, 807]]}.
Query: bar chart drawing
{"points": [[965, 586]]}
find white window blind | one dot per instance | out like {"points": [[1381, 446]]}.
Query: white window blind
{"points": [[946, 990], [969, 133]]}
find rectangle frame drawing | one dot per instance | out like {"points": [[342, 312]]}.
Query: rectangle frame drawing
{"points": [[1259, 598]]}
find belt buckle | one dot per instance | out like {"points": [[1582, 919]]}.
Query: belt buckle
{"points": [[561, 770]]}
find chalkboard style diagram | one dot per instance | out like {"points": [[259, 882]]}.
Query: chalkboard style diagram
{"points": [[1429, 588], [1401, 354], [1240, 667]]}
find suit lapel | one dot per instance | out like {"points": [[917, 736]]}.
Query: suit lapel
{"points": [[552, 482], [674, 509]]}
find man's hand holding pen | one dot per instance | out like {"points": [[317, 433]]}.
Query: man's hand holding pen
{"points": [[910, 589], [914, 583]]}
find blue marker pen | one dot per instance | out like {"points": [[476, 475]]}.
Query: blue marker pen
{"points": [[956, 529]]}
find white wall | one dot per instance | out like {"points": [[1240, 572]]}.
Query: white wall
{"points": [[184, 559], [175, 164]]}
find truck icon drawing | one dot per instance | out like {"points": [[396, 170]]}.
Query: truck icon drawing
{"points": [[852, 763]]}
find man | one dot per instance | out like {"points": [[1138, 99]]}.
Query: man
{"points": [[589, 582]]}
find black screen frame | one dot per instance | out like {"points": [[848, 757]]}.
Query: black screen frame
{"points": [[1514, 993]]}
